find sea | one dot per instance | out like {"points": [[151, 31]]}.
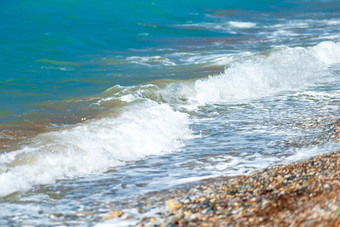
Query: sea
{"points": [[105, 101]]}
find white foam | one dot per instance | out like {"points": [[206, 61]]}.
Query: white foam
{"points": [[328, 52], [248, 76], [212, 59], [305, 153], [128, 98], [332, 22], [239, 24], [218, 59], [287, 69], [152, 60], [141, 130], [320, 95], [230, 27]]}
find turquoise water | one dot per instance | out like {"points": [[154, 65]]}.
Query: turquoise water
{"points": [[102, 101], [55, 50]]}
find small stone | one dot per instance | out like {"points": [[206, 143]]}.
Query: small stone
{"points": [[205, 211], [152, 220], [187, 213], [236, 204], [114, 214], [141, 210], [182, 222], [173, 205]]}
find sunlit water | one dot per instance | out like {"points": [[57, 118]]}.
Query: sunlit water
{"points": [[99, 105]]}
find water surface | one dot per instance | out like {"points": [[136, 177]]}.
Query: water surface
{"points": [[103, 101]]}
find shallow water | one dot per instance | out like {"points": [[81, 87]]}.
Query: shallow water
{"points": [[99, 105]]}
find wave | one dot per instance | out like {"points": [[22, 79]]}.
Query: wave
{"points": [[286, 69], [140, 130], [246, 77], [153, 118]]}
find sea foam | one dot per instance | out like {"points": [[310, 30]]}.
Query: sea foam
{"points": [[327, 52], [286, 69], [141, 130], [246, 77], [238, 24]]}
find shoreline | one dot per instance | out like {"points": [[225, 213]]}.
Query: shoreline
{"points": [[303, 193]]}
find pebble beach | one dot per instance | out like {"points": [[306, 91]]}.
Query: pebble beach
{"points": [[305, 193], [169, 113], [301, 194]]}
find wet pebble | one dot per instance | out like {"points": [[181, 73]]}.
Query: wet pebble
{"points": [[279, 195]]}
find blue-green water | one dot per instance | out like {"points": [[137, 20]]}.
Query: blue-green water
{"points": [[100, 97], [55, 50]]}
